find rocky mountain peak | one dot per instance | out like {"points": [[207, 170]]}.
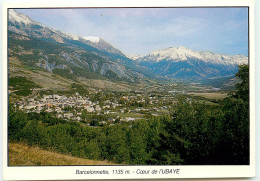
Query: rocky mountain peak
{"points": [[20, 18], [184, 54]]}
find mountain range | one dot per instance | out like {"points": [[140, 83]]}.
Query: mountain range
{"points": [[56, 51], [183, 63], [74, 57]]}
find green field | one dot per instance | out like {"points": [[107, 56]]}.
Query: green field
{"points": [[211, 95]]}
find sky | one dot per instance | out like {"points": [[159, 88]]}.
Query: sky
{"points": [[138, 31]]}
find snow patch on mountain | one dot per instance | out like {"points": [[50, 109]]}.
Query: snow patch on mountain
{"points": [[184, 54], [180, 53], [134, 57], [19, 17], [74, 37], [93, 39]]}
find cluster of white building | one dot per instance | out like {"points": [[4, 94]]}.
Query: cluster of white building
{"points": [[60, 105], [71, 108], [56, 103]]}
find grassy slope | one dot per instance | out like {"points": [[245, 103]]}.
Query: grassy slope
{"points": [[42, 78], [52, 81], [22, 155]]}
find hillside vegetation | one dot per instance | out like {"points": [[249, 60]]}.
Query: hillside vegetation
{"points": [[20, 154], [192, 133]]}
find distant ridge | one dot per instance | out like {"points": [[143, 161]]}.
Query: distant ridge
{"points": [[183, 63], [183, 53]]}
